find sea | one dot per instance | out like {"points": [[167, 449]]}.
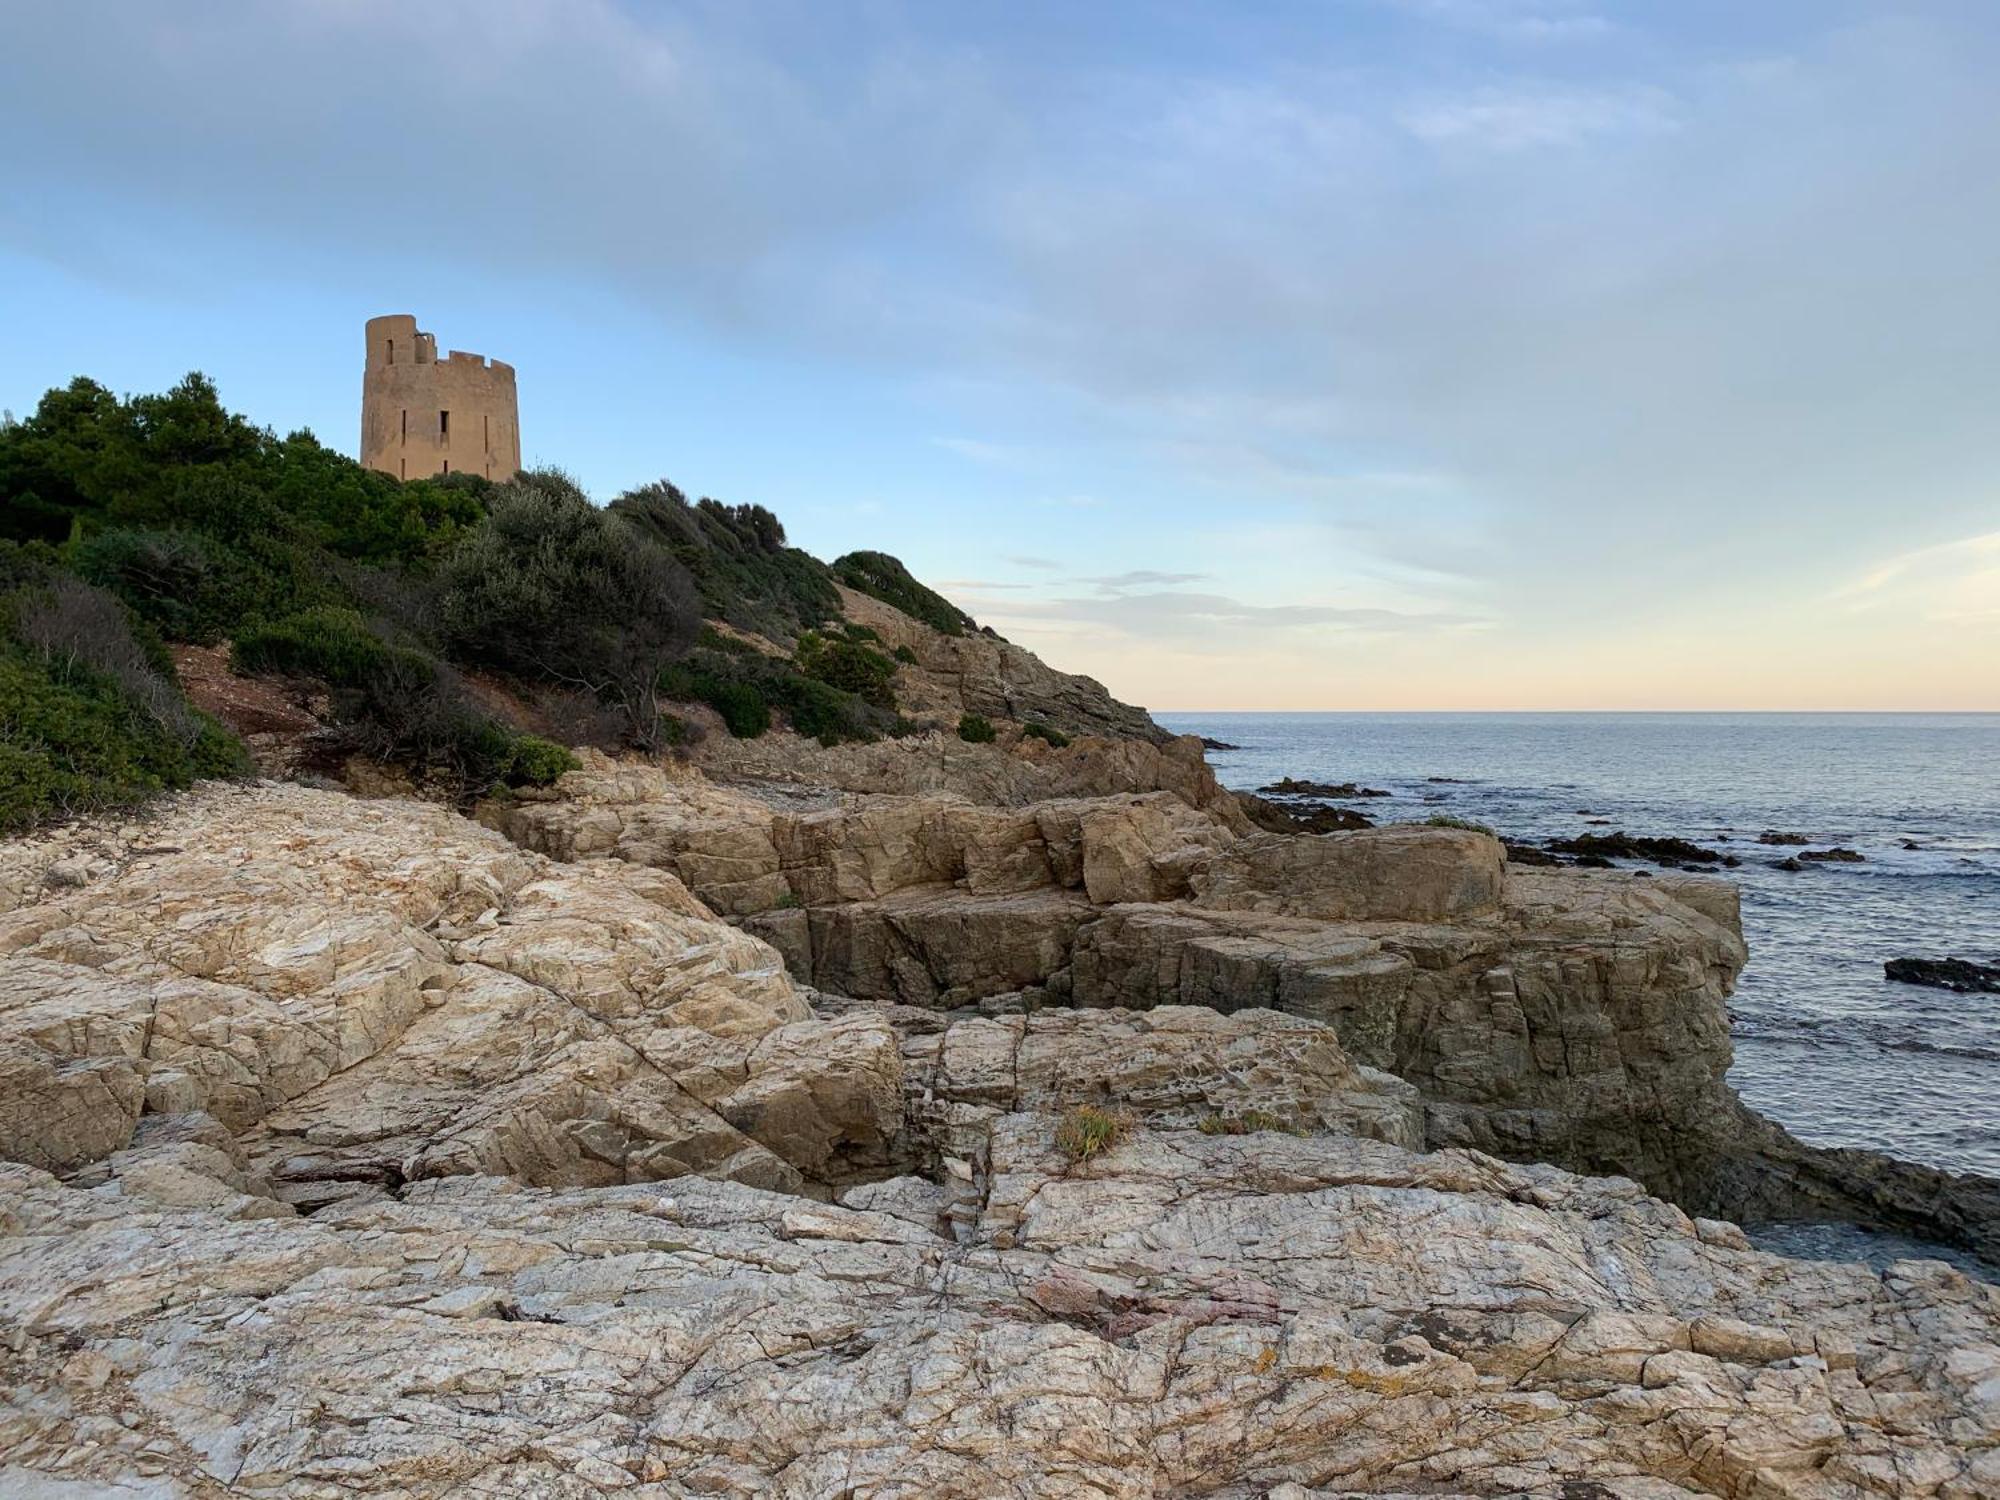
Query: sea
{"points": [[1824, 1044]]}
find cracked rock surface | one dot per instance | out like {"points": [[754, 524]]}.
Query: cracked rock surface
{"points": [[1185, 1315], [353, 1150]]}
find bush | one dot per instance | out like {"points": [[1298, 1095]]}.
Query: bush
{"points": [[741, 565], [86, 722], [538, 762], [551, 588], [1088, 1131], [1054, 737], [744, 712], [1249, 1122], [885, 578], [333, 644], [1446, 820], [906, 656], [976, 729], [849, 666]]}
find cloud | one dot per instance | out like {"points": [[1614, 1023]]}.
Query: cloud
{"points": [[1517, 119], [1608, 323], [1044, 564], [1216, 619], [1953, 583], [1513, 20], [1116, 583]]}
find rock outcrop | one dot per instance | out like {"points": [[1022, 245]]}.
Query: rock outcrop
{"points": [[370, 992], [1562, 1016], [1186, 1314], [982, 674]]}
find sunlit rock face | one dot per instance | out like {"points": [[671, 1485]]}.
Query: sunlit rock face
{"points": [[1184, 1314]]}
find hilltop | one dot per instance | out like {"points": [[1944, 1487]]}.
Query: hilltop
{"points": [[466, 635]]}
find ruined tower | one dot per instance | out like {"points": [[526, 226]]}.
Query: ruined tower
{"points": [[421, 415]]}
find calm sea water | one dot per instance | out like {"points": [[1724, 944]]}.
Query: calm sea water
{"points": [[1824, 1044]]}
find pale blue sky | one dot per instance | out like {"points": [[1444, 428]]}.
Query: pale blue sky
{"points": [[1366, 353]]}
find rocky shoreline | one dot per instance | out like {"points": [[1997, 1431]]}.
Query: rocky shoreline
{"points": [[709, 1129]]}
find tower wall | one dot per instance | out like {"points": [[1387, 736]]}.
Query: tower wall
{"points": [[421, 415]]}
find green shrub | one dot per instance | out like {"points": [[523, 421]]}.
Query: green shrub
{"points": [[849, 666], [330, 643], [744, 712], [73, 741], [1042, 732], [553, 589], [906, 656], [976, 729], [1248, 1122], [1446, 820], [745, 572], [885, 578], [538, 762], [1087, 1131]]}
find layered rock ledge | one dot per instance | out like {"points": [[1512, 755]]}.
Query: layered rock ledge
{"points": [[358, 1149]]}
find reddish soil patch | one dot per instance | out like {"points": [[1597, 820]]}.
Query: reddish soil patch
{"points": [[248, 705]]}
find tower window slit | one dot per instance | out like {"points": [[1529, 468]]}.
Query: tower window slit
{"points": [[444, 426]]}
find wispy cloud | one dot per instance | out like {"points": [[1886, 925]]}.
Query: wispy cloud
{"points": [[1520, 119], [1042, 564], [1118, 583], [1951, 583]]}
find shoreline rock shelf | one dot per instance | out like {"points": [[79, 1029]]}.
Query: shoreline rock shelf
{"points": [[689, 1136]]}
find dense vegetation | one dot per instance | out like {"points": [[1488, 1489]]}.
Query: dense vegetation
{"points": [[126, 523], [90, 717]]}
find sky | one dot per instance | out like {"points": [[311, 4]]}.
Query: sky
{"points": [[1339, 354]]}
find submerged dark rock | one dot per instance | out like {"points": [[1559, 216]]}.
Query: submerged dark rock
{"points": [[1772, 836], [1297, 817], [1834, 856], [1293, 787], [1209, 744], [1528, 854], [1958, 974], [1789, 862], [1659, 851]]}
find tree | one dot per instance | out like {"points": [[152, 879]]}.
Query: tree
{"points": [[551, 587]]}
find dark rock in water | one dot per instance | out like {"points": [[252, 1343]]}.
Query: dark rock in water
{"points": [[1209, 744], [1911, 844], [1834, 856], [1598, 822], [1446, 780], [1772, 836], [1591, 862], [1292, 787], [1958, 974], [1789, 862], [1528, 854], [1280, 817], [1608, 846]]}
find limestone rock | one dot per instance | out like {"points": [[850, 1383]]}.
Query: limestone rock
{"points": [[981, 674], [1246, 1316], [368, 992]]}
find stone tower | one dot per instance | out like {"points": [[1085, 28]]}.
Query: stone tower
{"points": [[421, 415]]}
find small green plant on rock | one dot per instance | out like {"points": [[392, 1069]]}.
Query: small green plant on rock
{"points": [[1088, 1131], [1249, 1122], [976, 729], [1446, 820], [1052, 737]]}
